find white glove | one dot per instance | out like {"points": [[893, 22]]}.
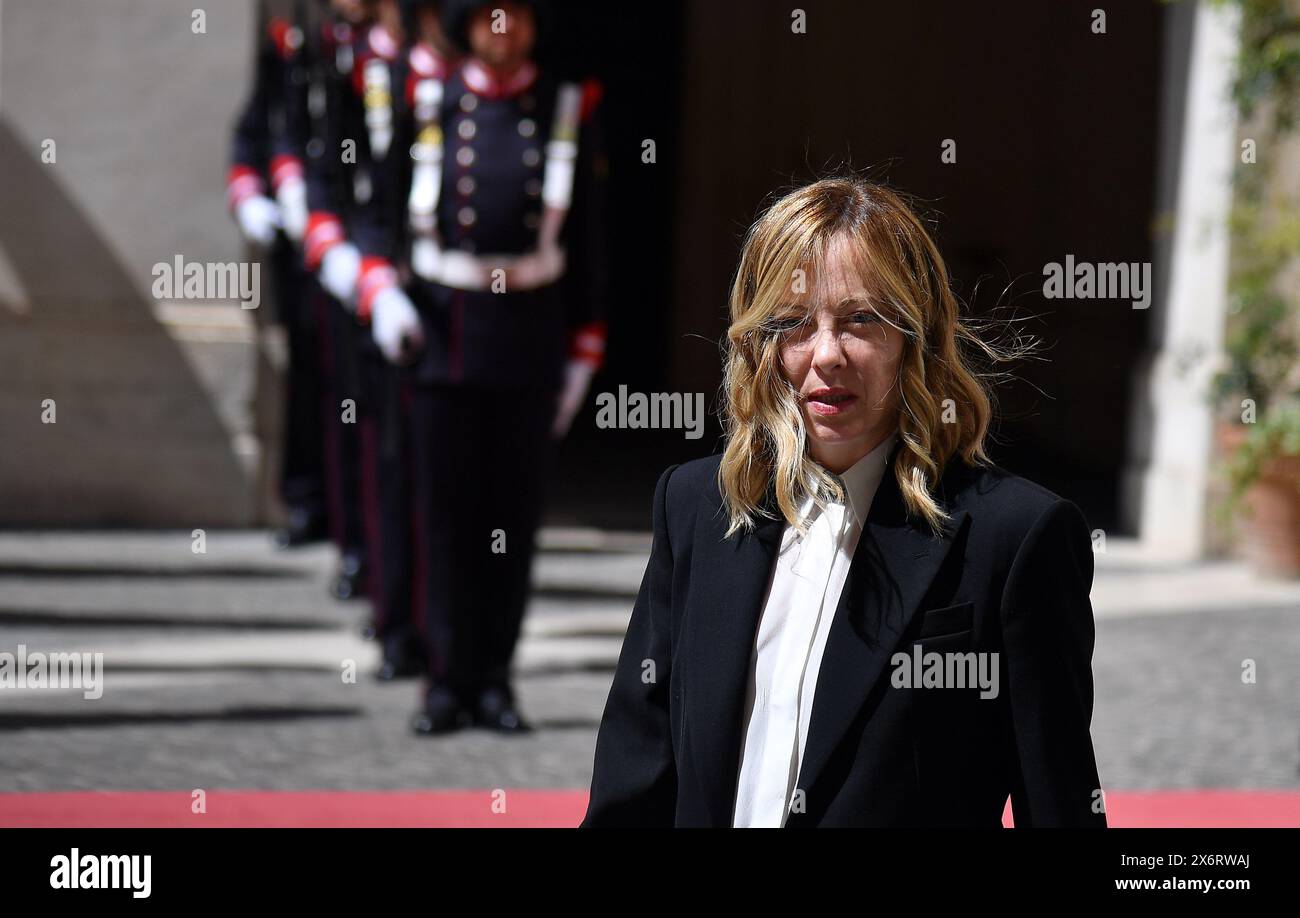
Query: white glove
{"points": [[577, 378], [339, 268], [258, 219], [395, 325], [292, 198]]}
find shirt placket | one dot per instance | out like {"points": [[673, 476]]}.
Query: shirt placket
{"points": [[821, 558]]}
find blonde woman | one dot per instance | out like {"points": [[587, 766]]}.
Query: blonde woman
{"points": [[851, 617]]}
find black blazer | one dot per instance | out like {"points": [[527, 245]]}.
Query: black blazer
{"points": [[1012, 577]]}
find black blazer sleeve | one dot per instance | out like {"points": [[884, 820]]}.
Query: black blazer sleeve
{"points": [[634, 782], [1048, 637]]}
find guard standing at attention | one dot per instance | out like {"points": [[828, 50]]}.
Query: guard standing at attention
{"points": [[503, 235], [351, 243], [266, 195], [328, 27]]}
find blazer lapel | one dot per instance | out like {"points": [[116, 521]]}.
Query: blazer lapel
{"points": [[892, 568], [721, 625]]}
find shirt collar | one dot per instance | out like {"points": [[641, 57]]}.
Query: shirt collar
{"points": [[383, 43], [860, 482], [482, 82], [427, 62]]}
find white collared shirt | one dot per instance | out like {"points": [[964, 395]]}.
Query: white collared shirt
{"points": [[807, 580]]}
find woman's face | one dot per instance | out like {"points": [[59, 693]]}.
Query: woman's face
{"points": [[842, 358]]}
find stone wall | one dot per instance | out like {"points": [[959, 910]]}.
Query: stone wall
{"points": [[152, 399]]}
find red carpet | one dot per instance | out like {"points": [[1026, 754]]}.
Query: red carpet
{"points": [[528, 808], [279, 809]]}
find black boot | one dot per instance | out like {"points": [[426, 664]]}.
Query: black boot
{"points": [[403, 658], [350, 579], [442, 713], [495, 709], [303, 528]]}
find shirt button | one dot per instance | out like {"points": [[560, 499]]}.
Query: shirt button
{"points": [[468, 102], [532, 220], [532, 157], [466, 185], [466, 216], [465, 156], [533, 187], [527, 102], [467, 129], [527, 127]]}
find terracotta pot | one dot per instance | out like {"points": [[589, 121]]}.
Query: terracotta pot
{"points": [[1230, 436], [1269, 518], [1271, 527]]}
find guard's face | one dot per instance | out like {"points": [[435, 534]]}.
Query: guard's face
{"points": [[430, 25], [502, 35], [842, 358], [351, 11], [355, 12]]}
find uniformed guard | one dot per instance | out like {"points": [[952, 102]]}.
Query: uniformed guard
{"points": [[350, 241], [329, 30], [503, 240], [264, 153]]}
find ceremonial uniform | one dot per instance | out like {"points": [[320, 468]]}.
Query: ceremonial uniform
{"points": [[319, 112], [264, 152], [502, 235], [358, 205]]}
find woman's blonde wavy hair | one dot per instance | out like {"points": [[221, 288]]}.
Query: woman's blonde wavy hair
{"points": [[901, 266]]}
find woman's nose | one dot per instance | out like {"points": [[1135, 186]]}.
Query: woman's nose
{"points": [[828, 350]]}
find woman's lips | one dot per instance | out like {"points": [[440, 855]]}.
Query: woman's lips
{"points": [[830, 402]]}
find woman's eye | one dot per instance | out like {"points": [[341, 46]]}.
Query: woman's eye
{"points": [[788, 324], [862, 317]]}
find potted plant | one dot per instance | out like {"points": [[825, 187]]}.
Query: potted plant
{"points": [[1257, 393]]}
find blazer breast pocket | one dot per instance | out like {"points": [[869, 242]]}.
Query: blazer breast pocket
{"points": [[948, 620]]}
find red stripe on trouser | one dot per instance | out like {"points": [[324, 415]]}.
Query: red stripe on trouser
{"points": [[333, 436], [370, 516], [422, 418], [419, 565], [455, 348]]}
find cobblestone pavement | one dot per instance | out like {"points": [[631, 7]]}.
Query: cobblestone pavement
{"points": [[223, 670]]}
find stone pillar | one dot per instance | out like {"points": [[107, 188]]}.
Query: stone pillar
{"points": [[1169, 472]]}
